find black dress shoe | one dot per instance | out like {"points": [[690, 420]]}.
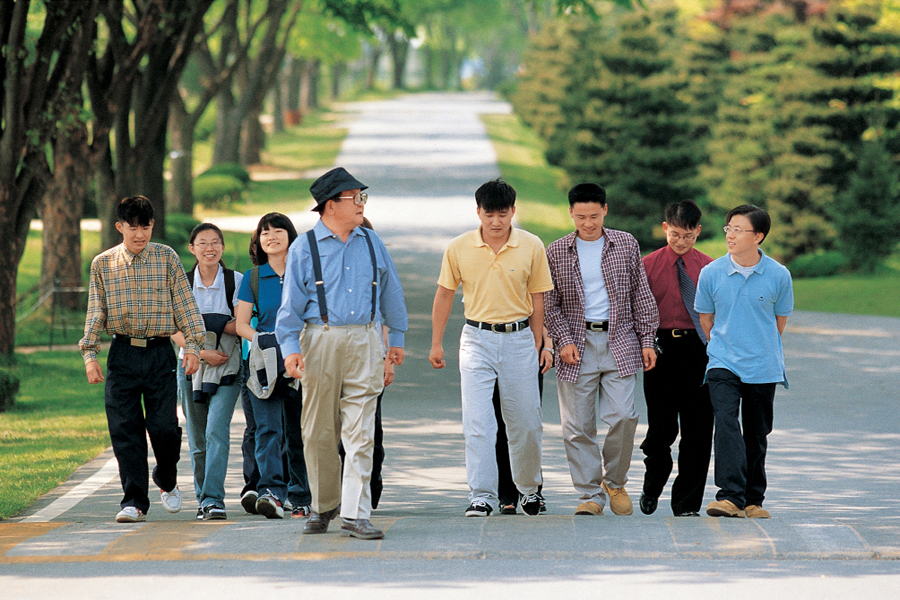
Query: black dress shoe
{"points": [[318, 522], [648, 504], [689, 513], [360, 528]]}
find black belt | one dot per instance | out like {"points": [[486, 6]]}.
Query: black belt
{"points": [[499, 327], [676, 333], [597, 325], [143, 342]]}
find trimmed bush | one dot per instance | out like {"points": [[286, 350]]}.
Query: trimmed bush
{"points": [[178, 229], [215, 190], [9, 387], [820, 264], [232, 169]]}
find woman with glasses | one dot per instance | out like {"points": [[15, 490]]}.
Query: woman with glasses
{"points": [[209, 396]]}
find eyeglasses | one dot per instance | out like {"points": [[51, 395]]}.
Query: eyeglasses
{"points": [[205, 245], [687, 238], [359, 199], [737, 230]]}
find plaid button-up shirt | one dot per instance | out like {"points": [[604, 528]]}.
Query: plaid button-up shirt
{"points": [[633, 316], [141, 295]]}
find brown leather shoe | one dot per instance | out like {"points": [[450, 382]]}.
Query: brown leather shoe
{"points": [[360, 528], [619, 501], [755, 511], [724, 508], [589, 508], [318, 522]]}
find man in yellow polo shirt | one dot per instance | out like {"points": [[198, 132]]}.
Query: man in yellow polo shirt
{"points": [[504, 272]]}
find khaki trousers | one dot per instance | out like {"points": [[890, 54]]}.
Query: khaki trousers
{"points": [[343, 376]]}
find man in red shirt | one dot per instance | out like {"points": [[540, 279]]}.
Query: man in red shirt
{"points": [[675, 388]]}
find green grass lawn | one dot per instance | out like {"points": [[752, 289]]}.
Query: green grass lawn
{"points": [[57, 424]]}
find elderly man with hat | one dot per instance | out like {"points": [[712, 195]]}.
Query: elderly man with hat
{"points": [[340, 286]]}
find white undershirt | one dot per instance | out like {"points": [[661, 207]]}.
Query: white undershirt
{"points": [[596, 298]]}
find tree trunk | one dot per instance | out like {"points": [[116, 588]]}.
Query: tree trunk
{"points": [[181, 137], [315, 74], [228, 130], [62, 210], [399, 46], [337, 72], [106, 199], [372, 66], [253, 140]]}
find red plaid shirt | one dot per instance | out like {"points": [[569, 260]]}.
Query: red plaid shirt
{"points": [[633, 316]]}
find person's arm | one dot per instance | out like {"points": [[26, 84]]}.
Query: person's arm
{"points": [[546, 357], [536, 320], [187, 315], [780, 322], [94, 323], [707, 320], [392, 306], [440, 314], [555, 320], [243, 313]]}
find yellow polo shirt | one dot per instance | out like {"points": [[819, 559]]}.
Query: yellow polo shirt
{"points": [[497, 288]]}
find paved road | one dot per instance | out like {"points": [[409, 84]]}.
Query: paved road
{"points": [[832, 462]]}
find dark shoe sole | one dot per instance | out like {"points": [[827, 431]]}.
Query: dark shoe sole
{"points": [[267, 510], [248, 503]]}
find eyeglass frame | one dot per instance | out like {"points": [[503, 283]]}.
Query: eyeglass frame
{"points": [[687, 238], [359, 199], [737, 230], [205, 245]]}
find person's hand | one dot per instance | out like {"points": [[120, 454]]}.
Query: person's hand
{"points": [[94, 372], [649, 358], [436, 357], [213, 357], [293, 364], [395, 355], [388, 372], [545, 359], [191, 363], [569, 354]]}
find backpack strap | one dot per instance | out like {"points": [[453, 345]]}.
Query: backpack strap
{"points": [[229, 288], [254, 287]]}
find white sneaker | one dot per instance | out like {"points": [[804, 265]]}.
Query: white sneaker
{"points": [[130, 514], [171, 500]]}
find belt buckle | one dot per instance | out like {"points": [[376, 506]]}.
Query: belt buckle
{"points": [[678, 334], [502, 327], [140, 343], [596, 326]]}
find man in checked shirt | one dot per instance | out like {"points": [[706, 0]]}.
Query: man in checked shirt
{"points": [[603, 319], [140, 295]]}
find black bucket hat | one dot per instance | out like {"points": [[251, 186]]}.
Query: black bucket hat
{"points": [[333, 183]]}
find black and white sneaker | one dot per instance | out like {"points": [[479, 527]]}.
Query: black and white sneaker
{"points": [[248, 501], [479, 508], [214, 513], [199, 516], [531, 505], [270, 506]]}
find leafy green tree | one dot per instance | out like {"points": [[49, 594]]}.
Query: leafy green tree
{"points": [[628, 128], [868, 214]]}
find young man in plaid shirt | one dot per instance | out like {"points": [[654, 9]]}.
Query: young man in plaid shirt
{"points": [[603, 320], [140, 295]]}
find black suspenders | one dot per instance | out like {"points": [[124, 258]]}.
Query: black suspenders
{"points": [[320, 281]]}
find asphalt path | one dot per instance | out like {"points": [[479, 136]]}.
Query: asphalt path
{"points": [[833, 467]]}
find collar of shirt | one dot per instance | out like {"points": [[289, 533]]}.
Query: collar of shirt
{"points": [[321, 231], [216, 284], [573, 237], [512, 242], [130, 256], [757, 268]]}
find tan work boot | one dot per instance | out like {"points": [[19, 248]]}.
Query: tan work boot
{"points": [[755, 511], [619, 501], [724, 508], [589, 508]]}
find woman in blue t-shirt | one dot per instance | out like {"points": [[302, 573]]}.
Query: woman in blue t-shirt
{"points": [[278, 414]]}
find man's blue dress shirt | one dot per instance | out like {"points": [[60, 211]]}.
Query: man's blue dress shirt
{"points": [[347, 272]]}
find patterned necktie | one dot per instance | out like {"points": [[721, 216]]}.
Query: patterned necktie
{"points": [[688, 290]]}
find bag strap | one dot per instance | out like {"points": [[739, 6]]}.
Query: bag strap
{"points": [[254, 287], [229, 285]]}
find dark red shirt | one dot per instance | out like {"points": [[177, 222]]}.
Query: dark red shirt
{"points": [[662, 274]]}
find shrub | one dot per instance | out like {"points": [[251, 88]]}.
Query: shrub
{"points": [[214, 190], [178, 229], [820, 264], [9, 387], [232, 169]]}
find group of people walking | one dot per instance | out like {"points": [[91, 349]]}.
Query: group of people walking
{"points": [[310, 336]]}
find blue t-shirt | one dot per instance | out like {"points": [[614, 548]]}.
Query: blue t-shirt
{"points": [[745, 338], [269, 296]]}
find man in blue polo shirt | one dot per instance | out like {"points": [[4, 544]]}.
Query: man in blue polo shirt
{"points": [[744, 299]]}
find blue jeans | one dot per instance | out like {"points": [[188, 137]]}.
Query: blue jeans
{"points": [[277, 424], [208, 428]]}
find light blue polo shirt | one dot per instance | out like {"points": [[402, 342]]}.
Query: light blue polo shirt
{"points": [[745, 337]]}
